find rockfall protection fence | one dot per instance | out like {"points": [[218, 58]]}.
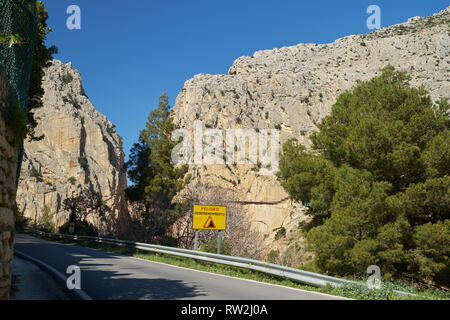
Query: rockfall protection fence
{"points": [[18, 27], [301, 276]]}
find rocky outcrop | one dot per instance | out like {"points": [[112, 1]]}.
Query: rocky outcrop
{"points": [[293, 88], [80, 149]]}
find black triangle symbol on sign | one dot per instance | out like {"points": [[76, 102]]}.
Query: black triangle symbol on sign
{"points": [[209, 224]]}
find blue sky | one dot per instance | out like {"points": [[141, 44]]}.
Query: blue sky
{"points": [[130, 52]]}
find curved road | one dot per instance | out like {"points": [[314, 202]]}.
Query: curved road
{"points": [[112, 276]]}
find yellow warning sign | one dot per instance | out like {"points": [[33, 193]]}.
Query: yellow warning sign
{"points": [[209, 217]]}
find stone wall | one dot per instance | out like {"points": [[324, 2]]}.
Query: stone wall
{"points": [[8, 167]]}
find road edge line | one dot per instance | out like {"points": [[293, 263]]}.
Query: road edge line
{"points": [[245, 279], [77, 294], [208, 272]]}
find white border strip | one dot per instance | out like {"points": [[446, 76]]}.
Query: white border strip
{"points": [[55, 273], [244, 279]]}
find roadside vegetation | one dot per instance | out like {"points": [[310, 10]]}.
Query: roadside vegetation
{"points": [[23, 124], [377, 181], [352, 292], [156, 180]]}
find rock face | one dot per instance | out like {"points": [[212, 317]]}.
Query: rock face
{"points": [[293, 88], [80, 149]]}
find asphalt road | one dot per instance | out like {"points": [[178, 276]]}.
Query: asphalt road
{"points": [[112, 276]]}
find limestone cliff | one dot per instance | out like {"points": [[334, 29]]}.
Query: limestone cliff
{"points": [[293, 88], [80, 149]]}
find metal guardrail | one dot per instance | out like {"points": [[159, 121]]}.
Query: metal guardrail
{"points": [[302, 276]]}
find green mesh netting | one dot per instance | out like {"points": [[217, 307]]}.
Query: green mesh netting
{"points": [[17, 35]]}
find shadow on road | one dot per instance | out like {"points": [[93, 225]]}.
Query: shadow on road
{"points": [[107, 275]]}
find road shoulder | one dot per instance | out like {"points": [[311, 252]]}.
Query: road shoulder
{"points": [[32, 283]]}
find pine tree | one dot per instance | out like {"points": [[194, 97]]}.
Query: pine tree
{"points": [[377, 181], [156, 179], [41, 59]]}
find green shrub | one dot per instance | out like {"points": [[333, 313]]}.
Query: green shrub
{"points": [[363, 292], [46, 220], [71, 99], [72, 180], [311, 266], [67, 78], [188, 178], [281, 233], [211, 246], [35, 173], [16, 120], [169, 242], [273, 256], [83, 162]]}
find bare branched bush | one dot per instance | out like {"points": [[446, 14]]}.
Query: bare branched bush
{"points": [[244, 241], [295, 255], [137, 222]]}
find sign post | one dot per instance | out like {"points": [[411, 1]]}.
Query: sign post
{"points": [[218, 242], [71, 227], [196, 240], [207, 217]]}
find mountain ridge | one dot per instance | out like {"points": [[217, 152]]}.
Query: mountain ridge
{"points": [[293, 88]]}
